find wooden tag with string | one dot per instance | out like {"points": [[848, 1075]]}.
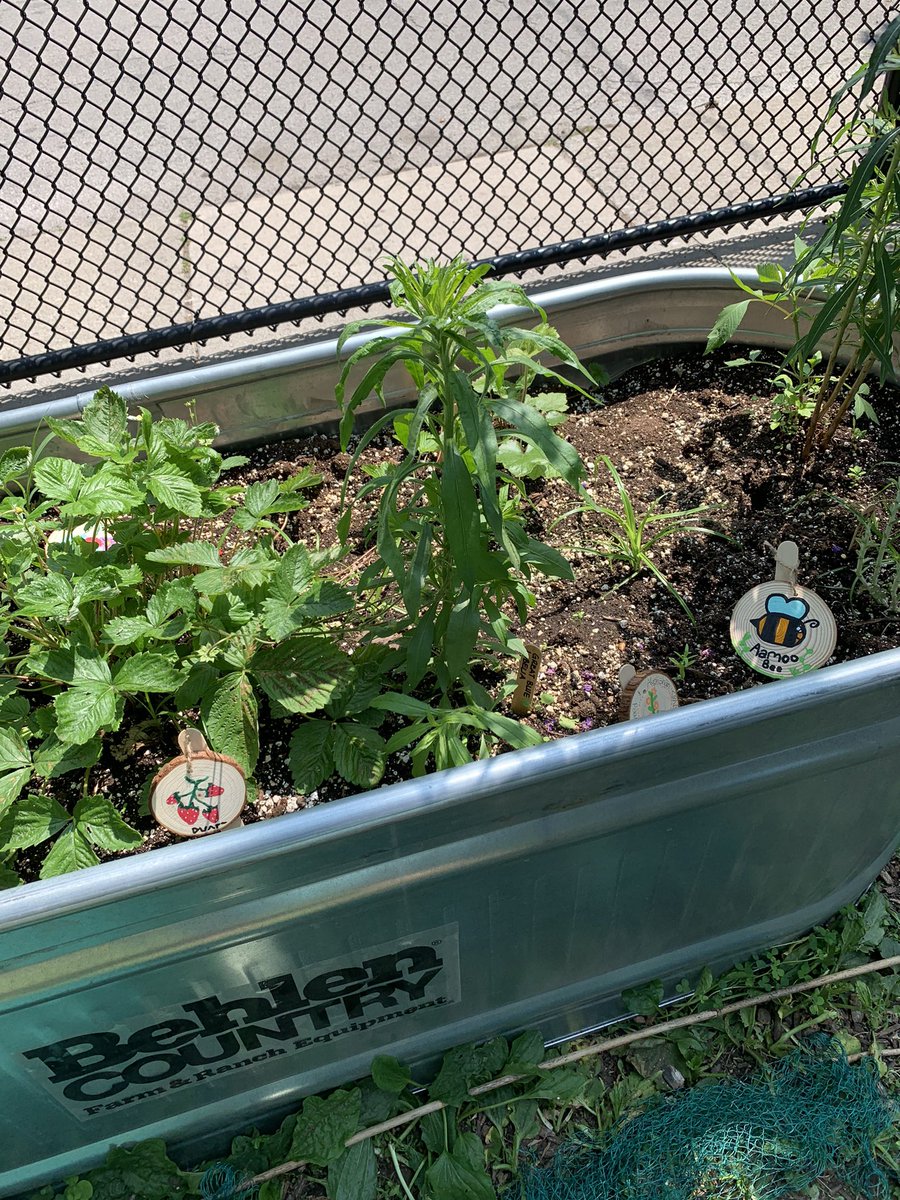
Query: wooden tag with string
{"points": [[198, 792], [526, 683]]}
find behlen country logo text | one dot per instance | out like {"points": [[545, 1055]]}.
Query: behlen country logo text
{"points": [[101, 1071]]}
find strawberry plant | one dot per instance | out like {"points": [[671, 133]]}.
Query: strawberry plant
{"points": [[137, 586]]}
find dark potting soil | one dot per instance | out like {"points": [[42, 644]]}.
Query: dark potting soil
{"points": [[683, 432]]}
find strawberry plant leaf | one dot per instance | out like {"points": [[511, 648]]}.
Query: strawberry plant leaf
{"points": [[9, 878], [105, 419], [301, 674], [176, 492], [83, 709], [70, 852], [124, 631], [310, 757], [230, 719], [12, 784], [323, 1126], [54, 758], [14, 462], [31, 821], [146, 673], [46, 596], [58, 478], [13, 751], [359, 754], [188, 554], [99, 821], [106, 493], [354, 1175]]}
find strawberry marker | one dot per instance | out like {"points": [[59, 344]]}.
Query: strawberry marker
{"points": [[199, 791]]}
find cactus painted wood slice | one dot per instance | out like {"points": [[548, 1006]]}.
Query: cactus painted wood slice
{"points": [[645, 694], [198, 792], [780, 630]]}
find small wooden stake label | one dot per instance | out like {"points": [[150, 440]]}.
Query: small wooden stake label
{"points": [[198, 792], [645, 693], [529, 668]]}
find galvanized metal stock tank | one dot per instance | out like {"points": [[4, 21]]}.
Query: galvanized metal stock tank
{"points": [[193, 991]]}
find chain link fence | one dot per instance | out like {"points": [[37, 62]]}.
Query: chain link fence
{"points": [[170, 162]]}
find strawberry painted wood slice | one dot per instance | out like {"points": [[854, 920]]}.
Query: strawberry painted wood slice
{"points": [[199, 791]]}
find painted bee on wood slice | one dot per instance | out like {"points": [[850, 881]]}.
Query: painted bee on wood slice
{"points": [[782, 624]]}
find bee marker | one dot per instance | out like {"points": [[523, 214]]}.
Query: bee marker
{"points": [[529, 668], [199, 791], [645, 693], [779, 628]]}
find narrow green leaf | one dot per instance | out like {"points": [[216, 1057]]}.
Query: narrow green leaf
{"points": [[354, 1176], [461, 523], [562, 456], [406, 706], [515, 733]]}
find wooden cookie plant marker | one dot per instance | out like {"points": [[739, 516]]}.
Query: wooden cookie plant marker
{"points": [[780, 629], [529, 668], [645, 693], [199, 791]]}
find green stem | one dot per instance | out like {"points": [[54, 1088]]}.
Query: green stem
{"points": [[398, 1172], [887, 188]]}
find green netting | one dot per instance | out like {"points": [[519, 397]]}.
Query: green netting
{"points": [[761, 1139]]}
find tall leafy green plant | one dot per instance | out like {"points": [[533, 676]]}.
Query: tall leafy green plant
{"points": [[852, 267], [452, 545]]}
